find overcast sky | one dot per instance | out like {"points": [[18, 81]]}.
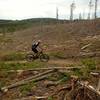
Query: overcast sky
{"points": [[23, 9]]}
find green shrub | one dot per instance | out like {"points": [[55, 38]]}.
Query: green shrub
{"points": [[13, 57], [50, 98], [25, 89], [77, 72], [58, 54], [5, 39], [20, 66], [2, 84], [64, 77], [89, 63]]}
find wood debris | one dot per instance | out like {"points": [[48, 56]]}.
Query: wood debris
{"points": [[27, 80]]}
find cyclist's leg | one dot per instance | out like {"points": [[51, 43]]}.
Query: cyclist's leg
{"points": [[35, 52]]}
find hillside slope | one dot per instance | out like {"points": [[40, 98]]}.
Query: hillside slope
{"points": [[67, 37]]}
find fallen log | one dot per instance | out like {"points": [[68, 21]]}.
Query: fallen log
{"points": [[30, 79], [84, 47], [96, 74], [33, 98], [49, 68], [89, 54], [51, 83], [98, 87]]}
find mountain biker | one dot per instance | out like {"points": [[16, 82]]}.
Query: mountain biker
{"points": [[35, 45], [37, 52]]}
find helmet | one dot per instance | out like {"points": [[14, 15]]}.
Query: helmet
{"points": [[39, 41]]}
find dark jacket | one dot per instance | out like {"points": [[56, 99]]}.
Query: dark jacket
{"points": [[35, 45]]}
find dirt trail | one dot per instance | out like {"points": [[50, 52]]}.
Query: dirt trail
{"points": [[63, 62], [59, 62]]}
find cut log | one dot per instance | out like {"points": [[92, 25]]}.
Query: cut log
{"points": [[96, 74]]}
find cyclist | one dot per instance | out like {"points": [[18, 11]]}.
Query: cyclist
{"points": [[35, 45]]}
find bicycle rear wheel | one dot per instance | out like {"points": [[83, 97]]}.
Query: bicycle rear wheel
{"points": [[30, 57], [44, 57]]}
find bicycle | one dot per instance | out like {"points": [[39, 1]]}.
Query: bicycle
{"points": [[40, 55]]}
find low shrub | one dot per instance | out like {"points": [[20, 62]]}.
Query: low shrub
{"points": [[13, 57]]}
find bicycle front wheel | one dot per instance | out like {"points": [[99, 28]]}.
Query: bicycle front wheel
{"points": [[44, 57]]}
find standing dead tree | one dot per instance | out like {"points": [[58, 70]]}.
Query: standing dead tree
{"points": [[72, 7], [95, 13], [90, 8], [80, 16], [57, 14]]}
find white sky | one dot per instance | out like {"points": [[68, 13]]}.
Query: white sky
{"points": [[23, 9]]}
